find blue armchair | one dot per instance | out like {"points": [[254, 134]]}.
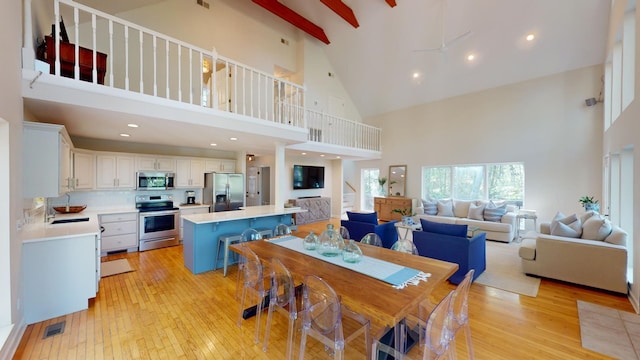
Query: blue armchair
{"points": [[449, 242], [360, 224]]}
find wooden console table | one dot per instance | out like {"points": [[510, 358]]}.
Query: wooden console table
{"points": [[384, 207], [68, 60]]}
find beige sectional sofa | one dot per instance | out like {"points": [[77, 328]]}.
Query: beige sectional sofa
{"points": [[470, 212], [600, 263]]}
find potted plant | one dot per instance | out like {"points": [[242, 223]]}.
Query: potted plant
{"points": [[406, 215], [589, 203], [381, 182]]}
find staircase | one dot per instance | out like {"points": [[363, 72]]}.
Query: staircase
{"points": [[348, 200]]}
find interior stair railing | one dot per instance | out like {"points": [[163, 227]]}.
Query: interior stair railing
{"points": [[147, 62]]}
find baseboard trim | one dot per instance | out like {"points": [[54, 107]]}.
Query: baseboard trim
{"points": [[10, 345]]}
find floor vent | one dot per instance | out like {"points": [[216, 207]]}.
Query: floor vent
{"points": [[54, 329]]}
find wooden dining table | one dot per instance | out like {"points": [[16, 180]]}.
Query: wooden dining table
{"points": [[378, 300]]}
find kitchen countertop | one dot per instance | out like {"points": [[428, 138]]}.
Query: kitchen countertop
{"points": [[192, 206], [46, 231], [246, 213]]}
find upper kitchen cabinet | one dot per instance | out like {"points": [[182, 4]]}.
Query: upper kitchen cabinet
{"points": [[115, 171], [152, 163], [46, 159], [190, 173], [84, 170], [220, 165]]}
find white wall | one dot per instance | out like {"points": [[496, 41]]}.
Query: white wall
{"points": [[542, 123], [623, 134], [10, 168]]}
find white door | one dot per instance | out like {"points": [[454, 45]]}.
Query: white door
{"points": [[253, 195]]}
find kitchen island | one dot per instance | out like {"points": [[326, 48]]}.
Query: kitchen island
{"points": [[201, 232]]}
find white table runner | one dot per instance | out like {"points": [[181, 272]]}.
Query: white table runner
{"points": [[397, 275]]}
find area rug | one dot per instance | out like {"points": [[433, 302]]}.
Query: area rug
{"points": [[504, 270], [609, 331], [114, 267]]}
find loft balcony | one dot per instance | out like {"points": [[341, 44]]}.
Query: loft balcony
{"points": [[189, 96]]}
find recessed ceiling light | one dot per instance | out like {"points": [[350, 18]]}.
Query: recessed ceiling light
{"points": [[337, 157], [530, 37], [416, 75], [321, 155], [132, 125], [304, 153], [233, 138], [213, 144], [471, 57], [124, 135]]}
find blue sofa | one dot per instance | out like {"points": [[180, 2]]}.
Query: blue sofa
{"points": [[449, 242], [360, 224]]}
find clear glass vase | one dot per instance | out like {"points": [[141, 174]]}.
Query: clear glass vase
{"points": [[310, 242], [330, 243], [351, 252]]}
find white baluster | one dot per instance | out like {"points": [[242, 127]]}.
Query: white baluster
{"points": [[76, 48], [126, 57], [155, 66], [190, 76], [111, 52], [94, 73], [56, 36], [179, 72], [167, 67], [141, 37]]}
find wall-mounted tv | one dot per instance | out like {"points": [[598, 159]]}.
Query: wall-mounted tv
{"points": [[308, 177]]}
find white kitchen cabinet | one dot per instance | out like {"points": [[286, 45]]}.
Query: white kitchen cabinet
{"points": [[120, 231], [228, 166], [115, 172], [189, 211], [46, 158], [212, 165], [152, 163], [84, 170], [220, 165], [59, 276], [190, 173]]}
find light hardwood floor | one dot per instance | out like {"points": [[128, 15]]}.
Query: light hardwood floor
{"points": [[163, 311]]}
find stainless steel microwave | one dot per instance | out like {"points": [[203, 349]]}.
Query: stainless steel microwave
{"points": [[155, 180]]}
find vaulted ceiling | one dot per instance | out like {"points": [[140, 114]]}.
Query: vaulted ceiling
{"points": [[371, 43]]}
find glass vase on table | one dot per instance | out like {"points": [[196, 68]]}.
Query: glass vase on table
{"points": [[351, 252], [330, 243], [310, 242]]}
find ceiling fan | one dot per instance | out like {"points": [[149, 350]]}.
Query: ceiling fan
{"points": [[444, 44]]}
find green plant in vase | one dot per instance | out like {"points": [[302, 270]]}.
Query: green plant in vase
{"points": [[589, 203], [406, 214], [381, 182]]}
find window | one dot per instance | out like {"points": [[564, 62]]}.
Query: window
{"points": [[370, 188], [480, 181]]}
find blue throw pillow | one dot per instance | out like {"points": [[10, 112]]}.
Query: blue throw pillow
{"points": [[369, 218], [443, 229]]}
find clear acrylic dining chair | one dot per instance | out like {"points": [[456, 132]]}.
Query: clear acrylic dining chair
{"points": [[372, 239], [438, 332], [406, 246], [323, 316], [459, 312], [253, 291], [247, 235], [281, 229], [282, 298], [344, 232]]}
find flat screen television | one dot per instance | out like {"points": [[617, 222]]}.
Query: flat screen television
{"points": [[308, 177]]}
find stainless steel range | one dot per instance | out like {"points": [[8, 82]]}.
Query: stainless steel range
{"points": [[159, 221]]}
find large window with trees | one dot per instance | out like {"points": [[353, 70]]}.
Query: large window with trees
{"points": [[504, 181]]}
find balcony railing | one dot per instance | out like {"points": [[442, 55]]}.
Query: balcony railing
{"points": [[147, 62]]}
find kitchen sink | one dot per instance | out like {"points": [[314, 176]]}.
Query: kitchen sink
{"points": [[63, 221]]}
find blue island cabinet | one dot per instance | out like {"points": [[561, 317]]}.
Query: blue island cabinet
{"points": [[200, 241]]}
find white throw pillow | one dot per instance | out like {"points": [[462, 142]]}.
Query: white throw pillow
{"points": [[569, 226], [461, 208], [596, 228], [617, 237], [476, 212], [445, 208], [584, 217]]}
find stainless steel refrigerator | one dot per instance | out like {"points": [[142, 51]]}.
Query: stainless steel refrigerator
{"points": [[223, 192]]}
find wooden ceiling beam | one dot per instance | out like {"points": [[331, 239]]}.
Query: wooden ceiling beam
{"points": [[294, 19], [342, 10], [391, 3]]}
